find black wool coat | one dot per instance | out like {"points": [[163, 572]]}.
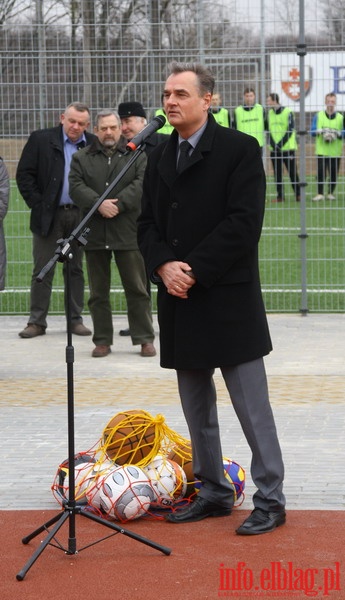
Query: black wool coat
{"points": [[154, 140], [209, 216], [40, 175]]}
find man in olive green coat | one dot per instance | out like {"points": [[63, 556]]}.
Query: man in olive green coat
{"points": [[113, 230]]}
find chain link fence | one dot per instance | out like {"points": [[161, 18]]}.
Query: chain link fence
{"points": [[105, 52]]}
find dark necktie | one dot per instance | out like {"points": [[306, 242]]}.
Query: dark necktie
{"points": [[81, 144], [183, 160]]}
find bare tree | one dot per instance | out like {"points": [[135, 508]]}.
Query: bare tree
{"points": [[334, 15], [11, 9], [286, 16], [106, 51]]}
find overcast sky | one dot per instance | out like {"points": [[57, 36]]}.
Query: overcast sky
{"points": [[251, 11]]}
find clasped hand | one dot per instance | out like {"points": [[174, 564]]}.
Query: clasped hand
{"points": [[175, 279], [109, 208]]}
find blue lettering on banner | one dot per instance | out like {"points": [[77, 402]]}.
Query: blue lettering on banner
{"points": [[339, 80]]}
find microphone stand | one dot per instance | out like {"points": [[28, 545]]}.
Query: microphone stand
{"points": [[71, 508]]}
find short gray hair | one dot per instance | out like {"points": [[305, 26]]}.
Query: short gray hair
{"points": [[107, 112], [205, 78], [79, 106]]}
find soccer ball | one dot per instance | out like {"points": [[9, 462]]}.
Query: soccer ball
{"points": [[100, 471], [329, 135], [83, 466], [126, 493], [182, 454], [236, 475], [233, 473], [168, 480]]}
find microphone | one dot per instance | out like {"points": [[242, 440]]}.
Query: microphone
{"points": [[141, 137]]}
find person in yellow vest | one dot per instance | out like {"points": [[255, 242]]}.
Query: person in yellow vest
{"points": [[221, 114], [328, 127], [283, 145], [167, 128], [250, 117]]}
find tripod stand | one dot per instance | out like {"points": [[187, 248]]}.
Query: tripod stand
{"points": [[71, 508]]}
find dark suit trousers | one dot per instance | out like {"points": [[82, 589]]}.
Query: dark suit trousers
{"points": [[247, 386], [43, 250]]}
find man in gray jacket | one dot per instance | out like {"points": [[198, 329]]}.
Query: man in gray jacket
{"points": [[113, 230]]}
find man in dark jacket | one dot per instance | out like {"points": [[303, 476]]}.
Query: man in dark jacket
{"points": [[113, 231], [42, 178], [199, 230]]}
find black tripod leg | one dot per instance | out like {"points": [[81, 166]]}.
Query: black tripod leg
{"points": [[119, 529], [43, 527], [61, 519]]}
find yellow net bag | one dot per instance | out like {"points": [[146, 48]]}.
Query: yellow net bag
{"points": [[136, 437]]}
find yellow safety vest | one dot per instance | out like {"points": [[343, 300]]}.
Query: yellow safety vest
{"points": [[251, 122], [323, 148], [167, 128], [278, 124], [222, 117]]}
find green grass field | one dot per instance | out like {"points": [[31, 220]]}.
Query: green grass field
{"points": [[280, 257], [281, 249]]}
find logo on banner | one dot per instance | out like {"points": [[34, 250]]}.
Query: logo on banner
{"points": [[291, 83]]}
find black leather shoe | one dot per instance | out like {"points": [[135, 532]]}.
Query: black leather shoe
{"points": [[261, 521], [124, 332], [199, 509]]}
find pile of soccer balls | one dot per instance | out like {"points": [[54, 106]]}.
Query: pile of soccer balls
{"points": [[160, 477]]}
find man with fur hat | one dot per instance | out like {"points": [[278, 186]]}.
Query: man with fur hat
{"points": [[133, 119]]}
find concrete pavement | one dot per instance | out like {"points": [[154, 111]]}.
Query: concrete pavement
{"points": [[306, 373]]}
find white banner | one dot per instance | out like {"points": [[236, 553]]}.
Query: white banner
{"points": [[324, 73]]}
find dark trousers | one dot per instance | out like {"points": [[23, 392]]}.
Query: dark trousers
{"points": [[247, 387], [327, 166], [287, 159], [132, 272], [43, 249], [3, 257]]}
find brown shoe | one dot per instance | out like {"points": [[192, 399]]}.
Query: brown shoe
{"points": [[100, 351], [80, 329], [148, 349], [32, 330]]}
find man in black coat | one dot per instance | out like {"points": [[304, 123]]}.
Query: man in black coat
{"points": [[42, 179], [199, 230]]}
